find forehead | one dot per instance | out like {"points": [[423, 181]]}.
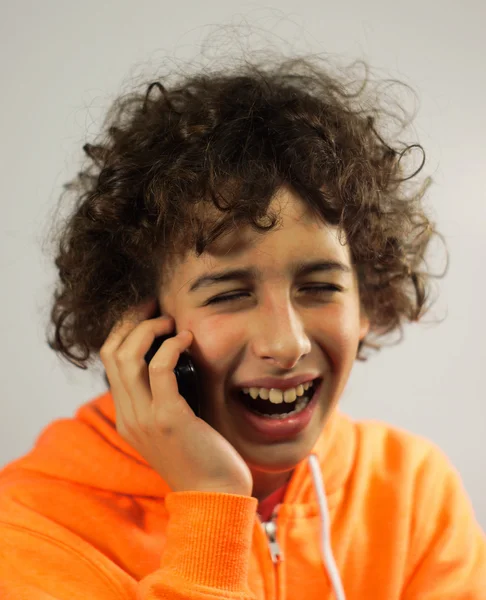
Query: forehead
{"points": [[297, 236]]}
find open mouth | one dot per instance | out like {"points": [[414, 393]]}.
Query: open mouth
{"points": [[281, 410]]}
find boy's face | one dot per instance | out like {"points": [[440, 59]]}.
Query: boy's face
{"points": [[280, 327]]}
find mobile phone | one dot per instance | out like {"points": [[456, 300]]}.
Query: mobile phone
{"points": [[185, 372]]}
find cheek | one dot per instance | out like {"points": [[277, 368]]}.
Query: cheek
{"points": [[339, 328], [346, 329], [216, 340]]}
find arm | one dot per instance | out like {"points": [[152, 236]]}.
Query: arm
{"points": [[207, 550], [205, 557]]}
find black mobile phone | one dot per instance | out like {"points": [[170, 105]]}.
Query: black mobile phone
{"points": [[185, 372]]}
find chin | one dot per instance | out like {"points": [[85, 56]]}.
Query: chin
{"points": [[278, 457]]}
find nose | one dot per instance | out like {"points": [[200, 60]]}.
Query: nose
{"points": [[279, 336]]}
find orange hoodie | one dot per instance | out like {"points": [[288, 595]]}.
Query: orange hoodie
{"points": [[83, 516]]}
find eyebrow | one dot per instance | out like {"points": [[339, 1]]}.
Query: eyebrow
{"points": [[302, 268]]}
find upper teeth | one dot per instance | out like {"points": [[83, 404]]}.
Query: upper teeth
{"points": [[278, 396]]}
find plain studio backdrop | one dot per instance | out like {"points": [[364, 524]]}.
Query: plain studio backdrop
{"points": [[61, 64]]}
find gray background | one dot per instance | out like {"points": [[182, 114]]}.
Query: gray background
{"points": [[62, 62]]}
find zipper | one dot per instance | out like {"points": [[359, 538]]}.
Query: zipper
{"points": [[270, 528], [275, 550]]}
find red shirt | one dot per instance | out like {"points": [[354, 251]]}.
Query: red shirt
{"points": [[266, 506]]}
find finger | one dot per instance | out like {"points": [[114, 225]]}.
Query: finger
{"points": [[119, 371], [130, 355], [163, 382], [142, 415], [117, 336]]}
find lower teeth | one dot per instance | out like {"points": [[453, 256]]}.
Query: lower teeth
{"points": [[301, 403]]}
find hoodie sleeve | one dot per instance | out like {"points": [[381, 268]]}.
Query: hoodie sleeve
{"points": [[206, 555], [448, 544], [207, 551]]}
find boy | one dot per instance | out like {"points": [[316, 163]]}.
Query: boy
{"points": [[259, 220]]}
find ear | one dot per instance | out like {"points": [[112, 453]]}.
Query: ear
{"points": [[364, 325], [162, 309]]}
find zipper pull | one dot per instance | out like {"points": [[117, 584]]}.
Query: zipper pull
{"points": [[275, 551]]}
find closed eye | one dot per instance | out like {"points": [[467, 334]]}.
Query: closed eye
{"points": [[313, 289], [228, 297], [322, 288]]}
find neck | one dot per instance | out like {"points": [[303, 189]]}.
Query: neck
{"points": [[265, 484]]}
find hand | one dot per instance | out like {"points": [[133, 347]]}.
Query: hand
{"points": [[155, 419]]}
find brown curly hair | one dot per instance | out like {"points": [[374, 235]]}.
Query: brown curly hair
{"points": [[228, 139]]}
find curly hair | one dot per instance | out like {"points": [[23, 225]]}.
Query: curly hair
{"points": [[222, 143]]}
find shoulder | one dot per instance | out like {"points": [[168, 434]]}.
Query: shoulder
{"points": [[412, 482], [369, 456], [408, 479], [413, 474], [393, 449]]}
